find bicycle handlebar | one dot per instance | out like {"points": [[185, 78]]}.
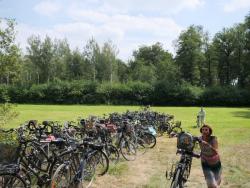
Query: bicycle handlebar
{"points": [[181, 151]]}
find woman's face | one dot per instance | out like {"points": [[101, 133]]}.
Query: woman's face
{"points": [[205, 131]]}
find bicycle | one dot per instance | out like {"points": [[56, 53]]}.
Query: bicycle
{"points": [[11, 175], [180, 172], [126, 147], [80, 171]]}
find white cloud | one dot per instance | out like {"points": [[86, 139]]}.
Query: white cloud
{"points": [[235, 5], [127, 32], [164, 7], [48, 8], [129, 24]]}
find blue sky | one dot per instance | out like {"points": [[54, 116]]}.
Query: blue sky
{"points": [[128, 23]]}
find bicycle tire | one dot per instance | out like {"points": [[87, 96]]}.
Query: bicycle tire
{"points": [[100, 161], [149, 139], [112, 153], [140, 146], [186, 172], [128, 149], [12, 180], [61, 178], [176, 180], [88, 175]]}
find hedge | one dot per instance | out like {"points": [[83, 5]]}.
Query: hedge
{"points": [[136, 93]]}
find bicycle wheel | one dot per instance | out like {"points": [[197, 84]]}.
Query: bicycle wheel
{"points": [[140, 146], [186, 172], [128, 150], [149, 139], [88, 175], [112, 153], [177, 179], [100, 162], [160, 130], [62, 177], [11, 180]]}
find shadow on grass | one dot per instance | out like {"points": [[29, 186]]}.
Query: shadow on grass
{"points": [[242, 114]]}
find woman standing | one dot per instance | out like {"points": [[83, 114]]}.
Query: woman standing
{"points": [[210, 159]]}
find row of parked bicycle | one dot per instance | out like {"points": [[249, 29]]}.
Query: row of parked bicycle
{"points": [[72, 154]]}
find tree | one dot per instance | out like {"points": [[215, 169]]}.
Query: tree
{"points": [[245, 69], [208, 68], [59, 60], [224, 48], [143, 73], [107, 65], [9, 52], [92, 55], [122, 71], [41, 55], [189, 54], [150, 55], [149, 63], [76, 66]]}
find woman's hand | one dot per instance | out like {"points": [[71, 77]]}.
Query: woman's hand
{"points": [[205, 143]]}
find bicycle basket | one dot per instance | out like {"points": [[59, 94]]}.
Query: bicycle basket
{"points": [[9, 147], [185, 141]]}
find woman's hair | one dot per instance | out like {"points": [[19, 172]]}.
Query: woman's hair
{"points": [[210, 129]]}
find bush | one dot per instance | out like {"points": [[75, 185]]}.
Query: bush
{"points": [[18, 94], [36, 93], [225, 96], [4, 94], [7, 113], [167, 93], [130, 93], [136, 93]]}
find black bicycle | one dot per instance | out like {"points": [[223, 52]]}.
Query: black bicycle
{"points": [[10, 173], [124, 143], [185, 147], [80, 170]]}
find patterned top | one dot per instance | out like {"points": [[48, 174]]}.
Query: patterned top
{"points": [[208, 155]]}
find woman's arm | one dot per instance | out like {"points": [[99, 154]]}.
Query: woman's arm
{"points": [[213, 146]]}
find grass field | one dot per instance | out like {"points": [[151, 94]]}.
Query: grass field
{"points": [[231, 126]]}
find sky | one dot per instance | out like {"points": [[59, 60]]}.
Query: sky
{"points": [[129, 24]]}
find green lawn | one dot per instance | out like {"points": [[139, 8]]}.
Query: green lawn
{"points": [[231, 126]]}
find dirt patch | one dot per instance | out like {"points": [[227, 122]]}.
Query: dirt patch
{"points": [[149, 169]]}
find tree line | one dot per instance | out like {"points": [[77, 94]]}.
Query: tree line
{"points": [[204, 71]]}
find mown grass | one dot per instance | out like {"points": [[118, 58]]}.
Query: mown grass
{"points": [[118, 169], [231, 126]]}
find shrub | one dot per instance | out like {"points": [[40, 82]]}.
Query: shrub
{"points": [[3, 93]]}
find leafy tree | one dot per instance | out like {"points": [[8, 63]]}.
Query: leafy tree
{"points": [[9, 52], [142, 72], [122, 71], [245, 69], [208, 68], [92, 55], [150, 63], [189, 54], [224, 47], [75, 66], [107, 64], [61, 53], [41, 54], [150, 55]]}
